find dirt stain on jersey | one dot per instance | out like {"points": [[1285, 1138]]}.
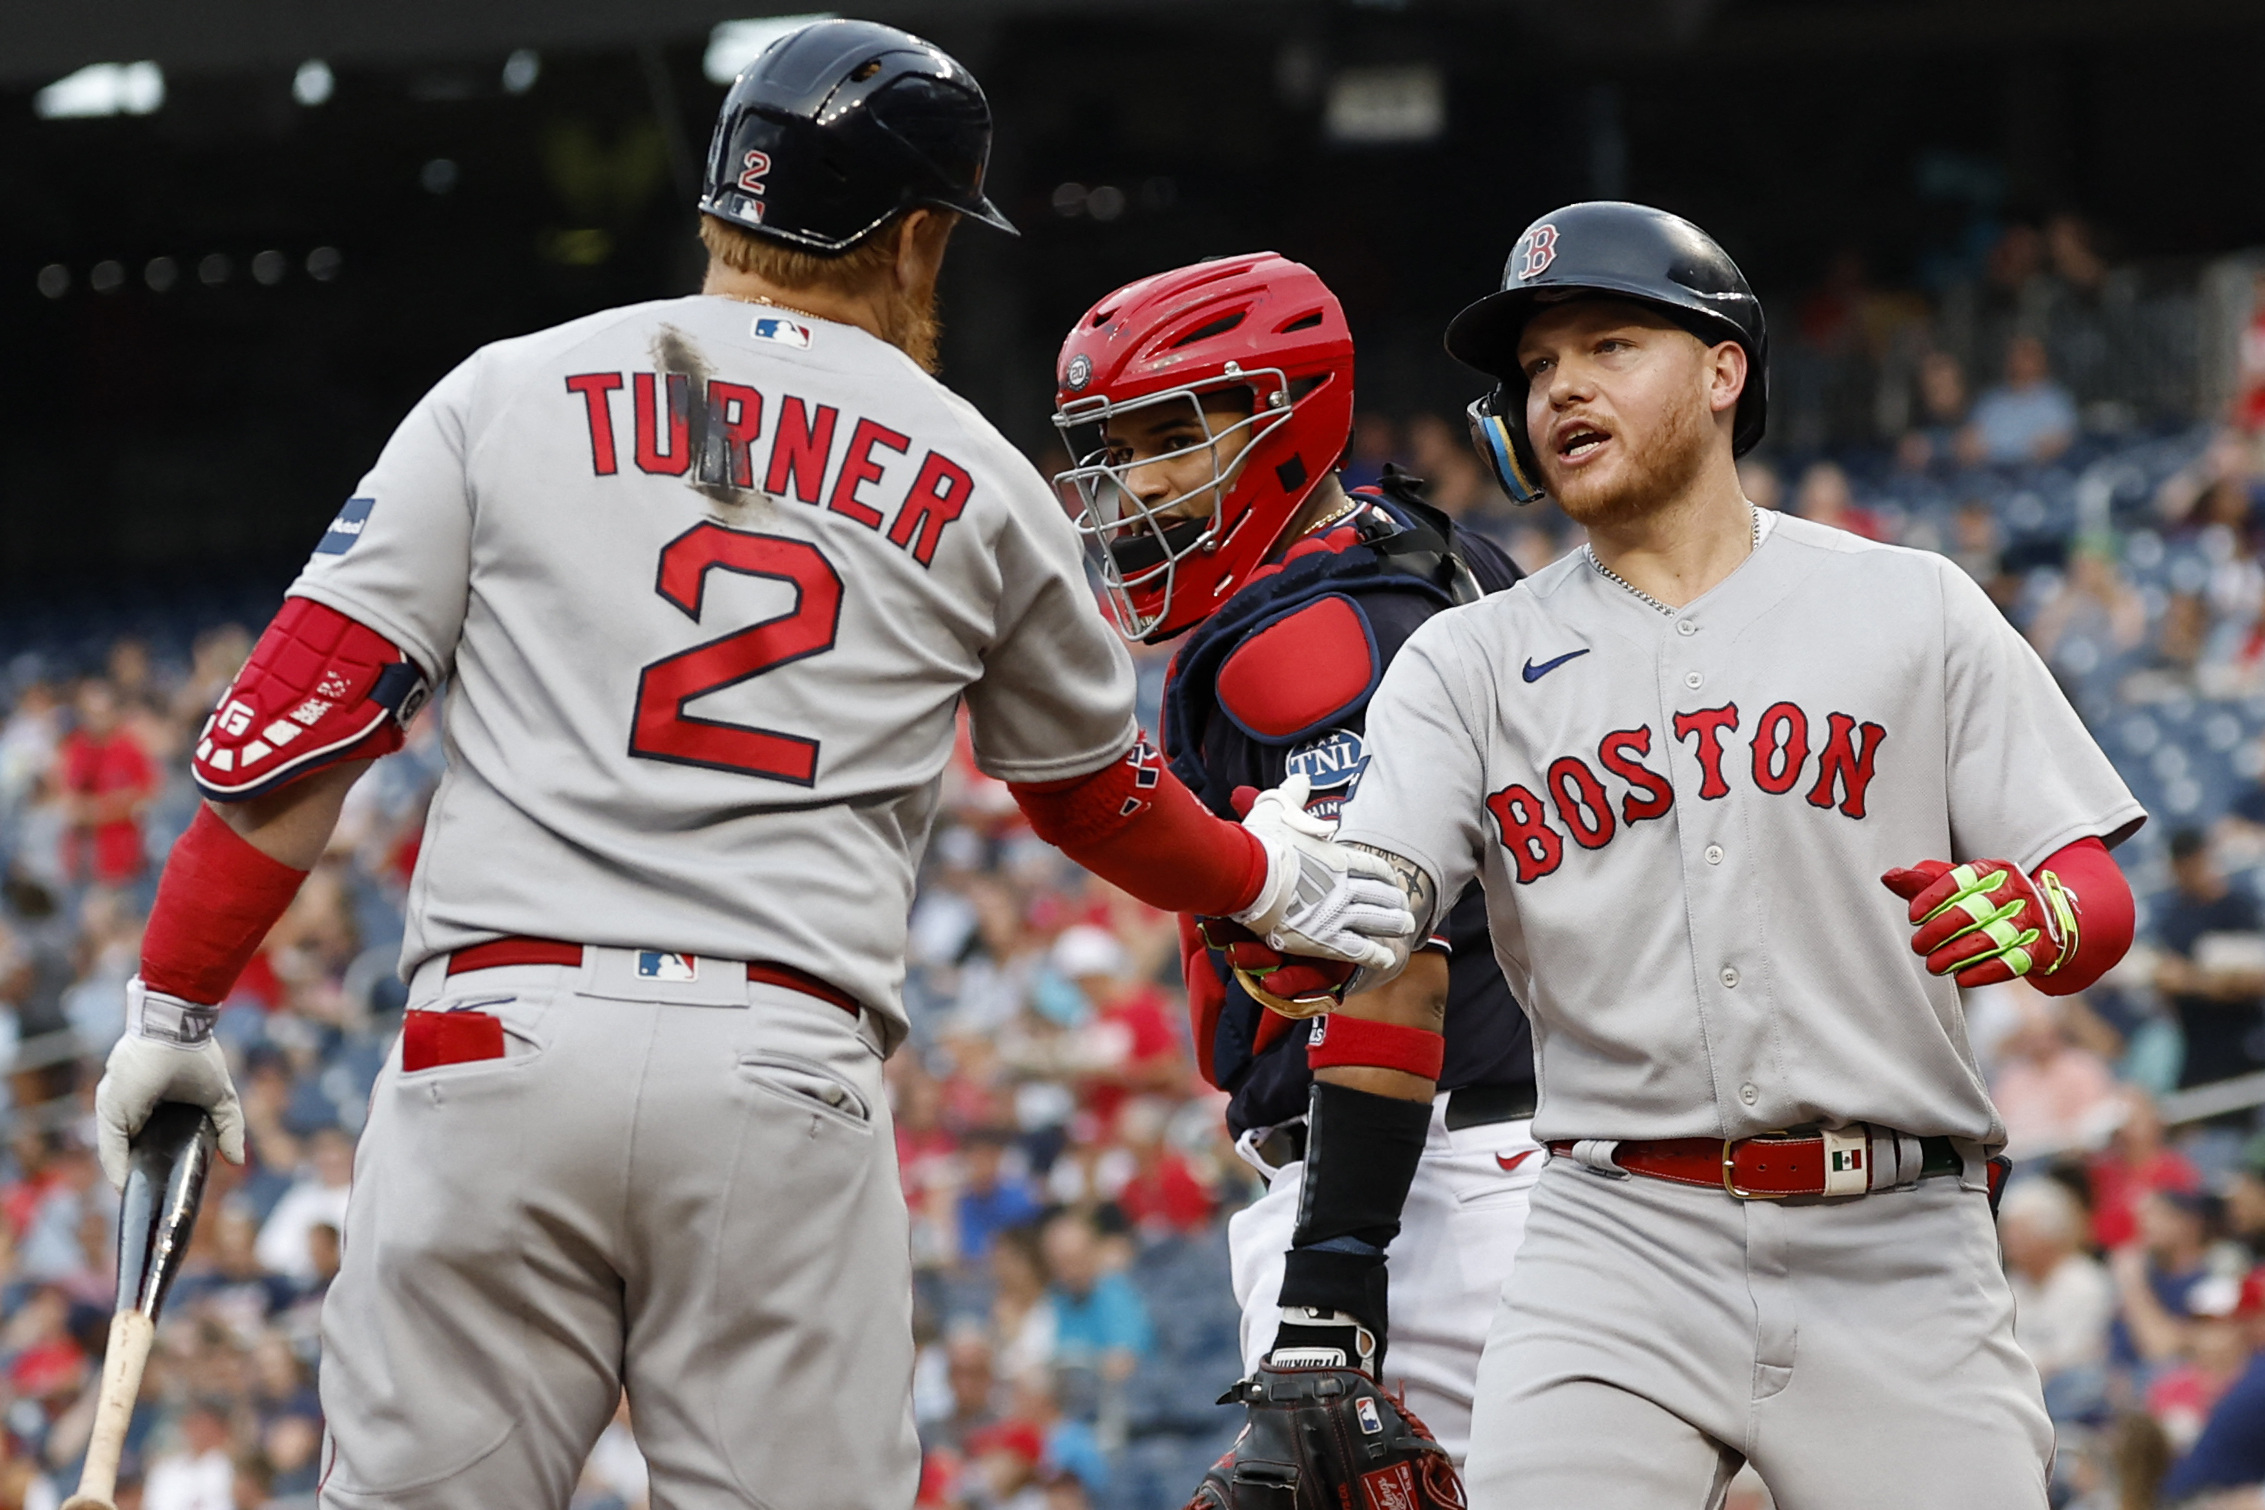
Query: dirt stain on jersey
{"points": [[675, 353]]}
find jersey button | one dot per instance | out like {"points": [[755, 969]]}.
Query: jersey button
{"points": [[1686, 628], [1714, 854], [1693, 680], [1730, 977], [1748, 1094]]}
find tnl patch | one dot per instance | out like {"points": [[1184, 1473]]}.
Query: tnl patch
{"points": [[657, 964], [784, 332], [1333, 762], [346, 528]]}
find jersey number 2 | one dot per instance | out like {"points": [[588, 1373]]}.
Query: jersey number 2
{"points": [[663, 730]]}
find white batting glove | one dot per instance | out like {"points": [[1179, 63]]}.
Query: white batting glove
{"points": [[1321, 898], [168, 1054]]}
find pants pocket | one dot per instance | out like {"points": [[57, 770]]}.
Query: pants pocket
{"points": [[812, 1300], [808, 1085], [424, 1331]]}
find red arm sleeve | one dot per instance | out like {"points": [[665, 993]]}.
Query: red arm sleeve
{"points": [[2104, 915], [1135, 825], [216, 901]]}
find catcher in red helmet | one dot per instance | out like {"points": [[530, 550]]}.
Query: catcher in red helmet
{"points": [[1207, 410]]}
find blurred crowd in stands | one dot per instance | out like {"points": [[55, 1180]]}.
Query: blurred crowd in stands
{"points": [[1066, 1168]]}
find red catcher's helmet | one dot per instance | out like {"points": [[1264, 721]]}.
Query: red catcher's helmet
{"points": [[1259, 322]]}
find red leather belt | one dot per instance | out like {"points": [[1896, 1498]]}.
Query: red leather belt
{"points": [[519, 950], [1777, 1165]]}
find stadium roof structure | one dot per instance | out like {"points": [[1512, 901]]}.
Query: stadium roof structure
{"points": [[50, 38]]}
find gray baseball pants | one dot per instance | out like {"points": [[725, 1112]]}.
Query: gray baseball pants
{"points": [[1653, 1337], [684, 1190]]}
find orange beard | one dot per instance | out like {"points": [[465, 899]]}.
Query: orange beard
{"points": [[909, 322], [1647, 479]]}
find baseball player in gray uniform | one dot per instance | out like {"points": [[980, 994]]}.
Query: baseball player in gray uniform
{"points": [[1683, 761], [707, 582]]}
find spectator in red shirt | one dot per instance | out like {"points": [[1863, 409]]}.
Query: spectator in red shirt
{"points": [[1825, 497], [1164, 1194], [107, 781], [2249, 401], [1135, 1045], [2218, 1349], [2135, 1162]]}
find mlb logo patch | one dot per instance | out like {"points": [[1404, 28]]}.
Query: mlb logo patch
{"points": [[346, 528], [784, 332], [1372, 1424], [658, 964]]}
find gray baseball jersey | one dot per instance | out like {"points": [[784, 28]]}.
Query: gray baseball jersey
{"points": [[709, 582], [1681, 821]]}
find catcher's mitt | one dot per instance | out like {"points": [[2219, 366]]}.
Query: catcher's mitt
{"points": [[1327, 1439], [1294, 985]]}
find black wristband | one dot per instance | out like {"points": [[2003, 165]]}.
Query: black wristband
{"points": [[1354, 1283]]}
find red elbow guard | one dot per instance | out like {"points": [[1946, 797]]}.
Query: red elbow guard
{"points": [[1341, 1040], [217, 900], [319, 688], [1135, 825]]}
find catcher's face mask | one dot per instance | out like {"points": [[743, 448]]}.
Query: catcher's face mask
{"points": [[1151, 513]]}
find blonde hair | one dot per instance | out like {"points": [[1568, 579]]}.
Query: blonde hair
{"points": [[789, 267]]}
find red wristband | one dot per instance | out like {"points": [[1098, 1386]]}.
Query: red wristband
{"points": [[1360, 1041], [217, 900]]}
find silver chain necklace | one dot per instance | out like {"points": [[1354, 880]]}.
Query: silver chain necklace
{"points": [[1590, 552]]}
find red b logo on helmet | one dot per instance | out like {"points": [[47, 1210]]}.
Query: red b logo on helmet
{"points": [[1536, 250]]}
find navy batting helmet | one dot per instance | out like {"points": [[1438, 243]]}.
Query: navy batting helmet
{"points": [[842, 124], [1627, 251]]}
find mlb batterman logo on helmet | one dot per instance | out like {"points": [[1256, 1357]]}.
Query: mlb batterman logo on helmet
{"points": [[1607, 249]]}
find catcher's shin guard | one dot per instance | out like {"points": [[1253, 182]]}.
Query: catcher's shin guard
{"points": [[1327, 1439]]}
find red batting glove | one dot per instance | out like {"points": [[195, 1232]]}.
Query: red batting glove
{"points": [[1984, 922]]}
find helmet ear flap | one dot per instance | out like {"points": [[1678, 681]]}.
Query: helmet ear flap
{"points": [[1501, 443]]}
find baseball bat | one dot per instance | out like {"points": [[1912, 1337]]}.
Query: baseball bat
{"points": [[172, 1155]]}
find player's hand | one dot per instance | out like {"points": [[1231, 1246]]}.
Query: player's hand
{"points": [[1285, 983], [1321, 898], [168, 1054], [1984, 922]]}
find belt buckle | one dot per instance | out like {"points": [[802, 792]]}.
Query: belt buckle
{"points": [[1730, 1171]]}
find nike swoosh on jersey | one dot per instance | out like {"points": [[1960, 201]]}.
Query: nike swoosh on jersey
{"points": [[1512, 1161], [1535, 673]]}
